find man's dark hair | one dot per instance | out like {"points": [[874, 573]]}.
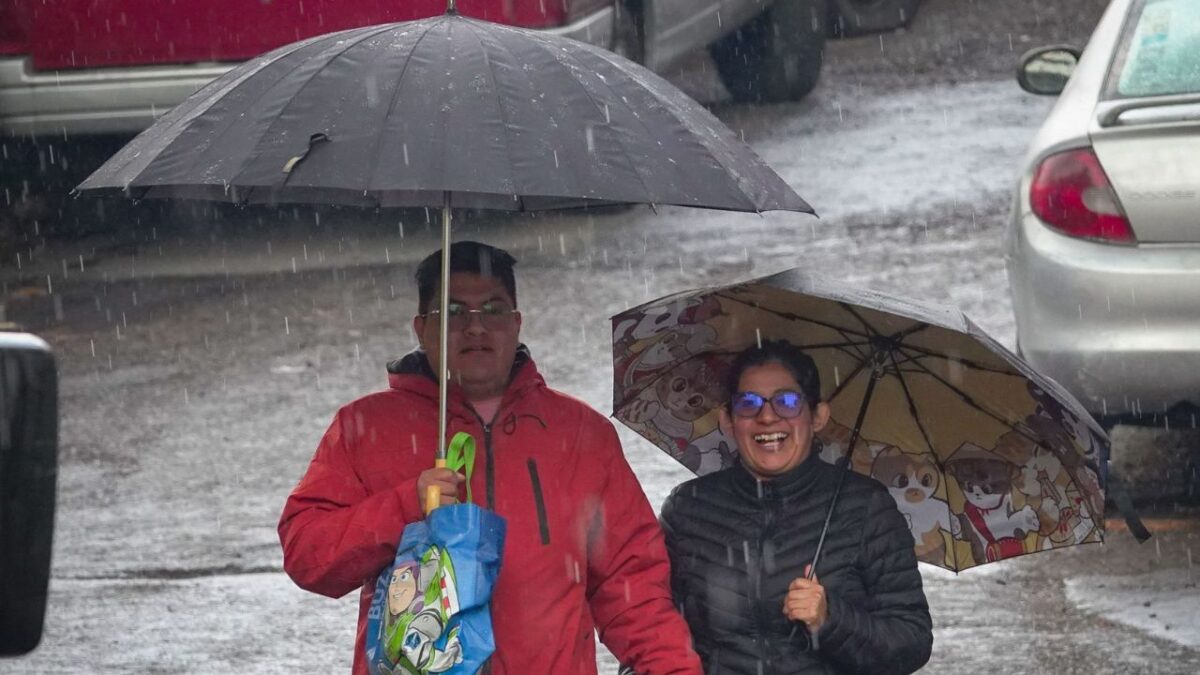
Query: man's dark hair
{"points": [[800, 365], [465, 256]]}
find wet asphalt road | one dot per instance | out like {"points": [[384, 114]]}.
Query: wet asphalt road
{"points": [[202, 355]]}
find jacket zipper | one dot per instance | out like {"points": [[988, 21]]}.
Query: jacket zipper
{"points": [[490, 474], [539, 502], [489, 468], [763, 625]]}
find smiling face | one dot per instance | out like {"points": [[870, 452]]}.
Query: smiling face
{"points": [[402, 589], [479, 358], [768, 444]]}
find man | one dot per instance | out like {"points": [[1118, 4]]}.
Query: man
{"points": [[583, 552]]}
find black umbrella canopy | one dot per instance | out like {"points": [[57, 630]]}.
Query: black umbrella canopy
{"points": [[398, 114]]}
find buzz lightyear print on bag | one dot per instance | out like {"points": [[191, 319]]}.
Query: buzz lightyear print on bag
{"points": [[430, 612]]}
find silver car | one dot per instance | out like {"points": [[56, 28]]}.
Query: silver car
{"points": [[1103, 246]]}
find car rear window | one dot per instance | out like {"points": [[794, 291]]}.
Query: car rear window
{"points": [[1162, 50]]}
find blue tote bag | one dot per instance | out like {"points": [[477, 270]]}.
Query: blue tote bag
{"points": [[430, 612]]}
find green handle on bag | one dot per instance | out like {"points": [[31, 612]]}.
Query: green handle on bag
{"points": [[461, 455]]}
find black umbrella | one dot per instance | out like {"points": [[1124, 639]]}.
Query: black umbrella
{"points": [[398, 114], [444, 112]]}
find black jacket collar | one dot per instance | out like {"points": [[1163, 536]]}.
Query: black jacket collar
{"points": [[795, 482]]}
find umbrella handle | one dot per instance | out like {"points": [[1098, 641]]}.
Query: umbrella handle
{"points": [[433, 493]]}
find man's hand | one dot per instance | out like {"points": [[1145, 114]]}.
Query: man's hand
{"points": [[805, 601], [446, 480]]}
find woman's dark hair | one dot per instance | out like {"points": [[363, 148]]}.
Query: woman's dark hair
{"points": [[465, 256], [800, 365]]}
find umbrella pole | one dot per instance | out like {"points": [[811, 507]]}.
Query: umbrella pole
{"points": [[876, 373], [433, 495]]}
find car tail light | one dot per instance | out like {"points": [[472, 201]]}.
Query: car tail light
{"points": [[1072, 194]]}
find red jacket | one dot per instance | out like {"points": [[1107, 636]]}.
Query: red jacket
{"points": [[583, 550]]}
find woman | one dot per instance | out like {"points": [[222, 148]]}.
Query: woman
{"points": [[741, 541]]}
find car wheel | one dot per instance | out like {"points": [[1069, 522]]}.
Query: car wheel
{"points": [[777, 56], [856, 17]]}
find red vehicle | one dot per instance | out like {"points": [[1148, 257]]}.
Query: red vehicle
{"points": [[111, 66]]}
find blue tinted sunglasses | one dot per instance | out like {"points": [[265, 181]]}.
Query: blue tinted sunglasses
{"points": [[786, 404]]}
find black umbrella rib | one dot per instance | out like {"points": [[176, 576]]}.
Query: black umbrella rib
{"points": [[854, 313], [183, 115], [599, 107], [792, 316], [858, 368], [367, 36], [499, 101], [969, 363], [396, 96], [969, 400], [677, 114], [912, 404]]}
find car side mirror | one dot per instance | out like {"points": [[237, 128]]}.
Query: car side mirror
{"points": [[28, 478], [1045, 70]]}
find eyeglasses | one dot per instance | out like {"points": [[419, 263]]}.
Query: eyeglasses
{"points": [[493, 315], [786, 404]]}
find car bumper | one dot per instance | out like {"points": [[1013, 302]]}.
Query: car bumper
{"points": [[127, 100], [1118, 326]]}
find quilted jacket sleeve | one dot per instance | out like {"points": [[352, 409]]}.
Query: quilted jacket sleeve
{"points": [[335, 535], [629, 576], [894, 632]]}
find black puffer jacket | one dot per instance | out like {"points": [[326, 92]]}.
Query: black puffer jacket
{"points": [[736, 543]]}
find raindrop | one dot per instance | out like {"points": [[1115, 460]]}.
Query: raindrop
{"points": [[556, 159], [837, 377], [226, 317], [287, 328], [562, 244], [590, 137], [387, 255], [404, 147], [93, 343], [293, 264], [358, 353], [758, 337], [186, 400]]}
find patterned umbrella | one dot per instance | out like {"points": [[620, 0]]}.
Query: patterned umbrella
{"points": [[986, 458]]}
